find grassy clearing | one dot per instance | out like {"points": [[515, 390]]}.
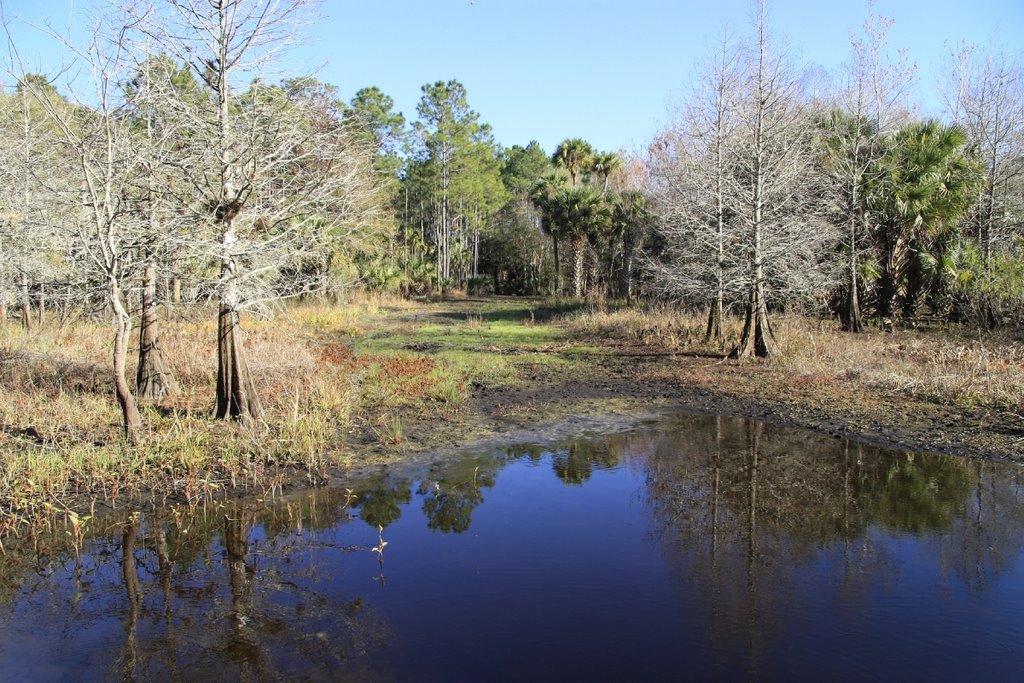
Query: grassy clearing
{"points": [[947, 366], [332, 380]]}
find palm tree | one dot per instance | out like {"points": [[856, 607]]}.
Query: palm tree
{"points": [[543, 192], [631, 217], [582, 214], [920, 190], [606, 163], [576, 156]]}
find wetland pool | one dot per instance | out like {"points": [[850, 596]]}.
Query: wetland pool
{"points": [[698, 547]]}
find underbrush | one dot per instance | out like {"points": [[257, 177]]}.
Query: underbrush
{"points": [[948, 366], [61, 448]]}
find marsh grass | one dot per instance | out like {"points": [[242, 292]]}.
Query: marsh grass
{"points": [[60, 435], [949, 366]]}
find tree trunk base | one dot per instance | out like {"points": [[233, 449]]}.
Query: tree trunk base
{"points": [[236, 394]]}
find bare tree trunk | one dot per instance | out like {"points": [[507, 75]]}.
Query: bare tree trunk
{"points": [[41, 306], [627, 267], [852, 321], [122, 331], [716, 313], [757, 338], [152, 380], [236, 393], [558, 265], [24, 302], [714, 332]]}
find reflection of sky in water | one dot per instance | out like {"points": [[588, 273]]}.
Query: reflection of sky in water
{"points": [[714, 547]]}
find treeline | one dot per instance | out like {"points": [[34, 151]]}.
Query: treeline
{"points": [[471, 215], [774, 187], [774, 190]]}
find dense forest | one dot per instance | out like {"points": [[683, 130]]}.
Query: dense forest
{"points": [[182, 177]]}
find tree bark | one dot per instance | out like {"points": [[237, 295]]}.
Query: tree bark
{"points": [[236, 393], [714, 333], [627, 267], [41, 306], [24, 303], [757, 338], [558, 265], [125, 399], [152, 380], [579, 265], [852, 321]]}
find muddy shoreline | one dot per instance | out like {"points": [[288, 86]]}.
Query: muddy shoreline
{"points": [[626, 390]]}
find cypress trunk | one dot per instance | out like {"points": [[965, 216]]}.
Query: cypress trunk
{"points": [[125, 399], [236, 393], [757, 338], [24, 303], [852, 321], [152, 380], [714, 332]]}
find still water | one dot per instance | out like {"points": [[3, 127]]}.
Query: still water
{"points": [[700, 548]]}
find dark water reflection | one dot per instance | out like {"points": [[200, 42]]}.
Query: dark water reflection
{"points": [[704, 548]]}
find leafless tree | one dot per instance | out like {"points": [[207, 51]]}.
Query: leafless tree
{"points": [[32, 166], [690, 165], [161, 224], [93, 135], [774, 194], [869, 105], [985, 96], [267, 176]]}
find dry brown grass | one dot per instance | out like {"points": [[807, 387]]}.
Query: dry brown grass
{"points": [[60, 435], [943, 366]]}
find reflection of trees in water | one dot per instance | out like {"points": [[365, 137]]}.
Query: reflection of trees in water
{"points": [[987, 537], [241, 591], [245, 590], [576, 463], [453, 490], [380, 499], [741, 507]]}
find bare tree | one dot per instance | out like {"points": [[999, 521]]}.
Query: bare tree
{"points": [[32, 166], [869, 106], [160, 222], [985, 97], [690, 169], [268, 176], [97, 192], [774, 194]]}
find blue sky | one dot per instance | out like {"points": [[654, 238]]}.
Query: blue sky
{"points": [[604, 70]]}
